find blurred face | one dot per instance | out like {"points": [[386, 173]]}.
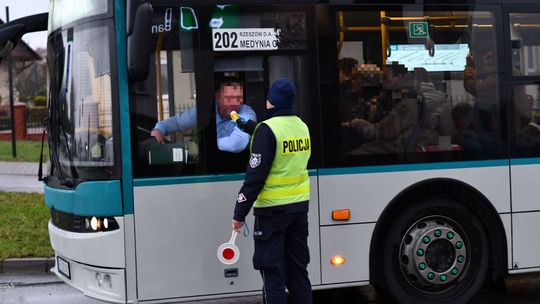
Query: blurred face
{"points": [[230, 97], [389, 78]]}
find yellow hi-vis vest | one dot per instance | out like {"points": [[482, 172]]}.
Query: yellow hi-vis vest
{"points": [[288, 179]]}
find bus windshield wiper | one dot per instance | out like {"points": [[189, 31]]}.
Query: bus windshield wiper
{"points": [[40, 170], [54, 153], [74, 173]]}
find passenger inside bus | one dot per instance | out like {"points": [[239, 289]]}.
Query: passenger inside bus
{"points": [[411, 107], [348, 92], [526, 123], [434, 120], [387, 132], [399, 95], [480, 80], [465, 136], [229, 97]]}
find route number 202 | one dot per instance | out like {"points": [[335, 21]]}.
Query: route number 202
{"points": [[225, 40]]}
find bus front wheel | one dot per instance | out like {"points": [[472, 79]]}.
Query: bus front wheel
{"points": [[436, 251]]}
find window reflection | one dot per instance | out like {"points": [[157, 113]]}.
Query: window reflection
{"points": [[525, 35], [90, 93]]}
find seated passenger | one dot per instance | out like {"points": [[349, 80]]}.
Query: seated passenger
{"points": [[396, 129], [230, 138], [466, 135], [387, 128]]}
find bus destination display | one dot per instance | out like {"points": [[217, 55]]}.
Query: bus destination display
{"points": [[245, 39]]}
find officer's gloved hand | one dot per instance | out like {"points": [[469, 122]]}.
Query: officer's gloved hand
{"points": [[247, 126]]}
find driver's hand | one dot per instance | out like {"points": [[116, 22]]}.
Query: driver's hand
{"points": [[158, 135]]}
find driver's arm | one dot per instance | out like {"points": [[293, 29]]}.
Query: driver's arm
{"points": [[184, 121]]}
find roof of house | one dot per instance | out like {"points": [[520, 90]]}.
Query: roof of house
{"points": [[23, 52]]}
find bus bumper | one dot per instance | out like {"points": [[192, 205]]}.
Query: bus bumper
{"points": [[104, 284], [93, 263]]}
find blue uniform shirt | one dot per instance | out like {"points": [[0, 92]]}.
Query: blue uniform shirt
{"points": [[229, 137]]}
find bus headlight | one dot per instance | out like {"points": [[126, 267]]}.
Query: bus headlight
{"points": [[97, 224], [83, 224]]}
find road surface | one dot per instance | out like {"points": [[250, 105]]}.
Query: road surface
{"points": [[46, 288]]}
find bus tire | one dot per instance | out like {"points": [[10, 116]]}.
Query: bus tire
{"points": [[436, 251]]}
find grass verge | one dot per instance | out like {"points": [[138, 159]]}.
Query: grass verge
{"points": [[27, 150], [23, 226]]}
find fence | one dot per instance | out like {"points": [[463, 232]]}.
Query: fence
{"points": [[28, 122], [5, 118], [34, 119]]}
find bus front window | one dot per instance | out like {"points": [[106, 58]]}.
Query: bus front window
{"points": [[80, 130]]}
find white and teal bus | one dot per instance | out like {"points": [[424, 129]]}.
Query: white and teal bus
{"points": [[424, 118]]}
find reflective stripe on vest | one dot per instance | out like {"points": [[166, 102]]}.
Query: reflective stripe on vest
{"points": [[276, 180], [288, 179]]}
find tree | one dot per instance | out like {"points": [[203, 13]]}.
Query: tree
{"points": [[31, 77]]}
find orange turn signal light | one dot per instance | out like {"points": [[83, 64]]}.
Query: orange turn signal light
{"points": [[341, 215], [337, 260]]}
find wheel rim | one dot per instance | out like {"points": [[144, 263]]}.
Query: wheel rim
{"points": [[434, 254]]}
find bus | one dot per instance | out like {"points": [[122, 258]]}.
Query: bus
{"points": [[424, 119]]}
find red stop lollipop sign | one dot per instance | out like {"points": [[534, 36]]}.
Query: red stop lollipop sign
{"points": [[228, 253]]}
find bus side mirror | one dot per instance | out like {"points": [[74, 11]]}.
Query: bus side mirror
{"points": [[139, 43], [9, 35], [11, 32]]}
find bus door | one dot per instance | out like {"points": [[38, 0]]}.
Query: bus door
{"points": [[186, 185], [523, 79]]}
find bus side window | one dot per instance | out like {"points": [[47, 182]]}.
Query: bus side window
{"points": [[396, 97], [526, 97], [524, 33]]}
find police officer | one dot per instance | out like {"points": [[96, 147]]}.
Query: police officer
{"points": [[277, 186]]}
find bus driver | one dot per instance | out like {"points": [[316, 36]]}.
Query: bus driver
{"points": [[230, 138]]}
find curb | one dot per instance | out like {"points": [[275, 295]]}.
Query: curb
{"points": [[26, 265]]}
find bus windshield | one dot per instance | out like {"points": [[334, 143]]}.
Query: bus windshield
{"points": [[62, 12], [80, 117]]}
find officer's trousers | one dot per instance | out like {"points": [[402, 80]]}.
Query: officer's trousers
{"points": [[282, 255]]}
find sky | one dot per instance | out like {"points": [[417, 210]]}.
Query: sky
{"points": [[22, 8]]}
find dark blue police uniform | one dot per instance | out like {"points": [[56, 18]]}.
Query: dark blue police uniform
{"points": [[280, 232]]}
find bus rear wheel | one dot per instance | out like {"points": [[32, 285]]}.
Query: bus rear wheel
{"points": [[436, 251]]}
